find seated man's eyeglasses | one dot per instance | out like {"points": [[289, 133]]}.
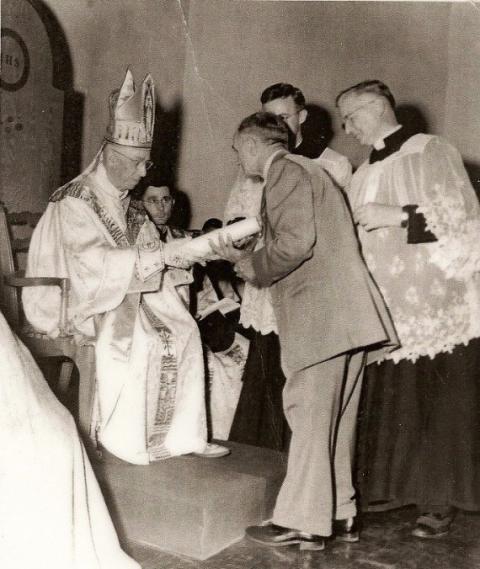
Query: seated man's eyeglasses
{"points": [[165, 200], [138, 163]]}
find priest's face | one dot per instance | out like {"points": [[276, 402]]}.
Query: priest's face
{"points": [[159, 203], [125, 165], [361, 115]]}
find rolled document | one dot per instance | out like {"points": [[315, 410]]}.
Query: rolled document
{"points": [[200, 246]]}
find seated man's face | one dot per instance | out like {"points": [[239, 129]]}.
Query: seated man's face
{"points": [[159, 203]]}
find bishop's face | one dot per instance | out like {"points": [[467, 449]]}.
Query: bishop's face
{"points": [[361, 115], [126, 166]]}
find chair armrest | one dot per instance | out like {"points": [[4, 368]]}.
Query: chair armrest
{"points": [[19, 280]]}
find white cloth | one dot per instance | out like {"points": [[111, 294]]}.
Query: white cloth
{"points": [[52, 513], [336, 165], [432, 290], [245, 200], [149, 363]]}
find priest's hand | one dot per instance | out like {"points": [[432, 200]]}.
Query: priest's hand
{"points": [[376, 215]]}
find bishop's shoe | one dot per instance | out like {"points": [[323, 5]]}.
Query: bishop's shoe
{"points": [[277, 536]]}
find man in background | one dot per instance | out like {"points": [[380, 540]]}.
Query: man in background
{"points": [[288, 102]]}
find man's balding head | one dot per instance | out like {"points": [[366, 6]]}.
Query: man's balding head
{"points": [[257, 136]]}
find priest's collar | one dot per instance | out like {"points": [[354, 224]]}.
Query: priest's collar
{"points": [[391, 144], [380, 143]]}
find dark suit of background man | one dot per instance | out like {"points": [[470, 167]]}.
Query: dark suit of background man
{"points": [[328, 313]]}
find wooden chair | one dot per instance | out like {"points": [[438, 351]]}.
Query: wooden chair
{"points": [[41, 345]]}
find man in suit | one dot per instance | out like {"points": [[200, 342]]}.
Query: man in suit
{"points": [[328, 313]]}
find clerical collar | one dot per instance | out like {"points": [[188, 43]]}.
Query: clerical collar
{"points": [[101, 174], [380, 143], [311, 147], [269, 161], [392, 143]]}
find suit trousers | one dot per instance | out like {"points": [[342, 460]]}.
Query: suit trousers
{"points": [[321, 405]]}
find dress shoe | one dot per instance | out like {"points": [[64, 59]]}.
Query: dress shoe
{"points": [[278, 536], [432, 526], [213, 450], [346, 530]]}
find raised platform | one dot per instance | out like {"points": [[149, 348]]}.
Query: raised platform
{"points": [[192, 506]]}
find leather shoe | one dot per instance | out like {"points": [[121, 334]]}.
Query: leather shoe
{"points": [[278, 536], [213, 450], [432, 526], [346, 530]]}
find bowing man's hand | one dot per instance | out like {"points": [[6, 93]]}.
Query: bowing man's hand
{"points": [[244, 269], [376, 215]]}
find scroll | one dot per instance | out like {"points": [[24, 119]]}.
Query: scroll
{"points": [[199, 247]]}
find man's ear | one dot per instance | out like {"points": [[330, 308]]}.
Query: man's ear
{"points": [[380, 106], [302, 116], [108, 158], [251, 144]]}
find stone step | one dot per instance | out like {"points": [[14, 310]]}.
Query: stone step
{"points": [[192, 506]]}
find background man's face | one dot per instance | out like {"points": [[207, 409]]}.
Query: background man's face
{"points": [[126, 166], [360, 116], [159, 203], [288, 110]]}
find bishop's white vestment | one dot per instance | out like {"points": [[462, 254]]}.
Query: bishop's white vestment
{"points": [[149, 364]]}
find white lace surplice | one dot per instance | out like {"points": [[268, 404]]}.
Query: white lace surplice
{"points": [[257, 310], [431, 289]]}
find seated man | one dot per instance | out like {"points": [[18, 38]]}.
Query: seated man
{"points": [[224, 362], [149, 364], [216, 307]]}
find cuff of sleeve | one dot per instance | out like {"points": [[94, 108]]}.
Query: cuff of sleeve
{"points": [[416, 226], [257, 260], [149, 263]]}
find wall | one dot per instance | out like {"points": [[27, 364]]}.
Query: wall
{"points": [[238, 48], [462, 108], [212, 58], [105, 37]]}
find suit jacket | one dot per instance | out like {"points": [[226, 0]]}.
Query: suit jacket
{"points": [[324, 299]]}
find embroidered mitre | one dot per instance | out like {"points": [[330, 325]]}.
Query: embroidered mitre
{"points": [[132, 113]]}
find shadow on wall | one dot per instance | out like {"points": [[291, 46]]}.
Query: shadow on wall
{"points": [[412, 118], [473, 170], [165, 155], [317, 129], [73, 101]]}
